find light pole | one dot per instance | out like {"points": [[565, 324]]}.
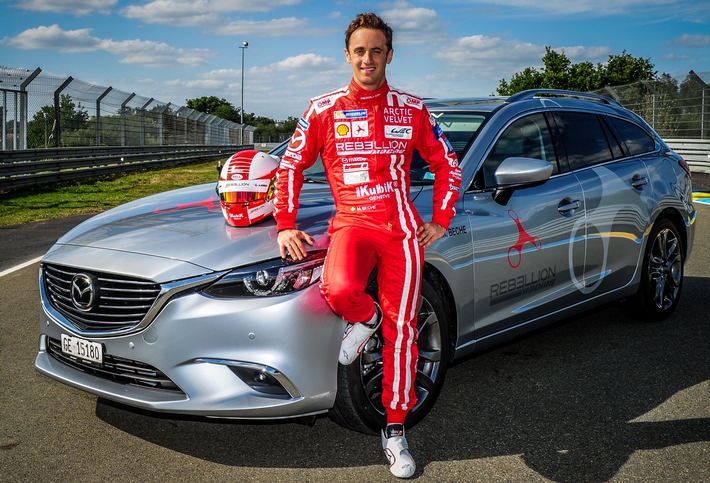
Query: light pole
{"points": [[244, 46]]}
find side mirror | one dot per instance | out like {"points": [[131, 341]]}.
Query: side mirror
{"points": [[516, 172]]}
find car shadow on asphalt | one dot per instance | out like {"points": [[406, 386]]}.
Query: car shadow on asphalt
{"points": [[574, 401]]}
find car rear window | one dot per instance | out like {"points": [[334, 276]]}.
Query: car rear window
{"points": [[637, 140], [585, 139]]}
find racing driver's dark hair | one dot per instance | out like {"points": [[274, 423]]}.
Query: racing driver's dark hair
{"points": [[369, 21]]}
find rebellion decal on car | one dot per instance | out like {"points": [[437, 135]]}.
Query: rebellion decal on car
{"points": [[523, 284], [211, 203], [515, 252]]}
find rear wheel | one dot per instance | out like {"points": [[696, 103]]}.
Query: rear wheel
{"points": [[661, 277], [358, 403]]}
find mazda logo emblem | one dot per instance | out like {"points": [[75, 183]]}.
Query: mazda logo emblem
{"points": [[83, 292]]}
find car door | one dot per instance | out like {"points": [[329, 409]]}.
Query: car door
{"points": [[617, 193], [529, 250]]}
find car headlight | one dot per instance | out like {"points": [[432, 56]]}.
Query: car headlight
{"points": [[274, 277]]}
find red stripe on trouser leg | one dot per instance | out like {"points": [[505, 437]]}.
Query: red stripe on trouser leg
{"points": [[399, 302]]}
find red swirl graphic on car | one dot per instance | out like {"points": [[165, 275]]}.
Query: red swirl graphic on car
{"points": [[523, 238], [211, 203]]}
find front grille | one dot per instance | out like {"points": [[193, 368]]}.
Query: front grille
{"points": [[117, 369], [120, 302]]}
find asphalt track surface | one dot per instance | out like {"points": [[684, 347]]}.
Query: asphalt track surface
{"points": [[595, 399]]}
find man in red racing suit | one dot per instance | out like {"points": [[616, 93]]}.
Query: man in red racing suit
{"points": [[365, 135]]}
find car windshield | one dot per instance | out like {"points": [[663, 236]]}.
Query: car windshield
{"points": [[460, 129]]}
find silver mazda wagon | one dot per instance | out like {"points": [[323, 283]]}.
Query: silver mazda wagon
{"points": [[569, 201]]}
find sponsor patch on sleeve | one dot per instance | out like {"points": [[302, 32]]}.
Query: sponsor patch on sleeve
{"points": [[304, 124]]}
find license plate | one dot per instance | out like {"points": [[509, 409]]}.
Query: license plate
{"points": [[83, 349]]}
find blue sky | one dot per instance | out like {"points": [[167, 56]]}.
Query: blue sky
{"points": [[175, 50]]}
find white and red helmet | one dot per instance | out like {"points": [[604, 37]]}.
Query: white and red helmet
{"points": [[246, 186]]}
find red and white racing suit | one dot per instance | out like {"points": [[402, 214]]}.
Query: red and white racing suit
{"points": [[366, 139]]}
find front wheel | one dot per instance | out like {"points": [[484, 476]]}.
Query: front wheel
{"points": [[358, 403], [661, 277]]}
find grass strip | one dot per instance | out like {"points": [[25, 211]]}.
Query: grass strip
{"points": [[95, 196]]}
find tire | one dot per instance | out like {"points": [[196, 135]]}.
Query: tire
{"points": [[358, 405], [661, 277]]}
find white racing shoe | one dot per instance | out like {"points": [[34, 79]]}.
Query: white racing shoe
{"points": [[355, 338], [394, 444]]}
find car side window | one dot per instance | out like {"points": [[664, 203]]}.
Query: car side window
{"points": [[527, 137], [584, 138], [637, 140]]}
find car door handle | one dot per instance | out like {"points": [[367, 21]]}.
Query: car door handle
{"points": [[639, 182], [568, 207]]}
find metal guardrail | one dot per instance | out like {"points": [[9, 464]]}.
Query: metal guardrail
{"points": [[36, 167], [695, 151]]}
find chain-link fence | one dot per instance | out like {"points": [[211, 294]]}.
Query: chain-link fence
{"points": [[676, 107], [40, 111]]}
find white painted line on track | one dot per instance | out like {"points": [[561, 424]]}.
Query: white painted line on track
{"points": [[19, 267]]}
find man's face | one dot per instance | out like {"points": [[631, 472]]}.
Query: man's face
{"points": [[368, 55]]}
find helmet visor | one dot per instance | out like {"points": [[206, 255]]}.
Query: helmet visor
{"points": [[245, 191], [240, 196]]}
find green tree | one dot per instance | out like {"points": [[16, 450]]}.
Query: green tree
{"points": [[625, 69], [693, 93], [39, 129], [215, 106], [267, 129], [73, 119], [558, 72]]}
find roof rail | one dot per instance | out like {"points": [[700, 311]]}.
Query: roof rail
{"points": [[533, 93]]}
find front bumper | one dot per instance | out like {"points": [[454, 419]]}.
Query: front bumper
{"points": [[210, 348]]}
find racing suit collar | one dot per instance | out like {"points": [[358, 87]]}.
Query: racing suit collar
{"points": [[363, 95]]}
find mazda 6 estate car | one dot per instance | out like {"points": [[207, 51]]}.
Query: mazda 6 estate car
{"points": [[569, 202]]}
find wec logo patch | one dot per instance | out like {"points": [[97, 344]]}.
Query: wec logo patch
{"points": [[398, 132]]}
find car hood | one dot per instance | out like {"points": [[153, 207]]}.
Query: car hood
{"points": [[182, 233]]}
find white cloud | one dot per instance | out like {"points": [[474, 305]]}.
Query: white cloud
{"points": [[140, 52], [155, 54], [76, 7], [585, 54], [53, 37], [205, 13], [497, 57], [278, 27], [303, 64], [487, 55], [413, 25], [590, 7], [688, 40], [198, 84]]}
